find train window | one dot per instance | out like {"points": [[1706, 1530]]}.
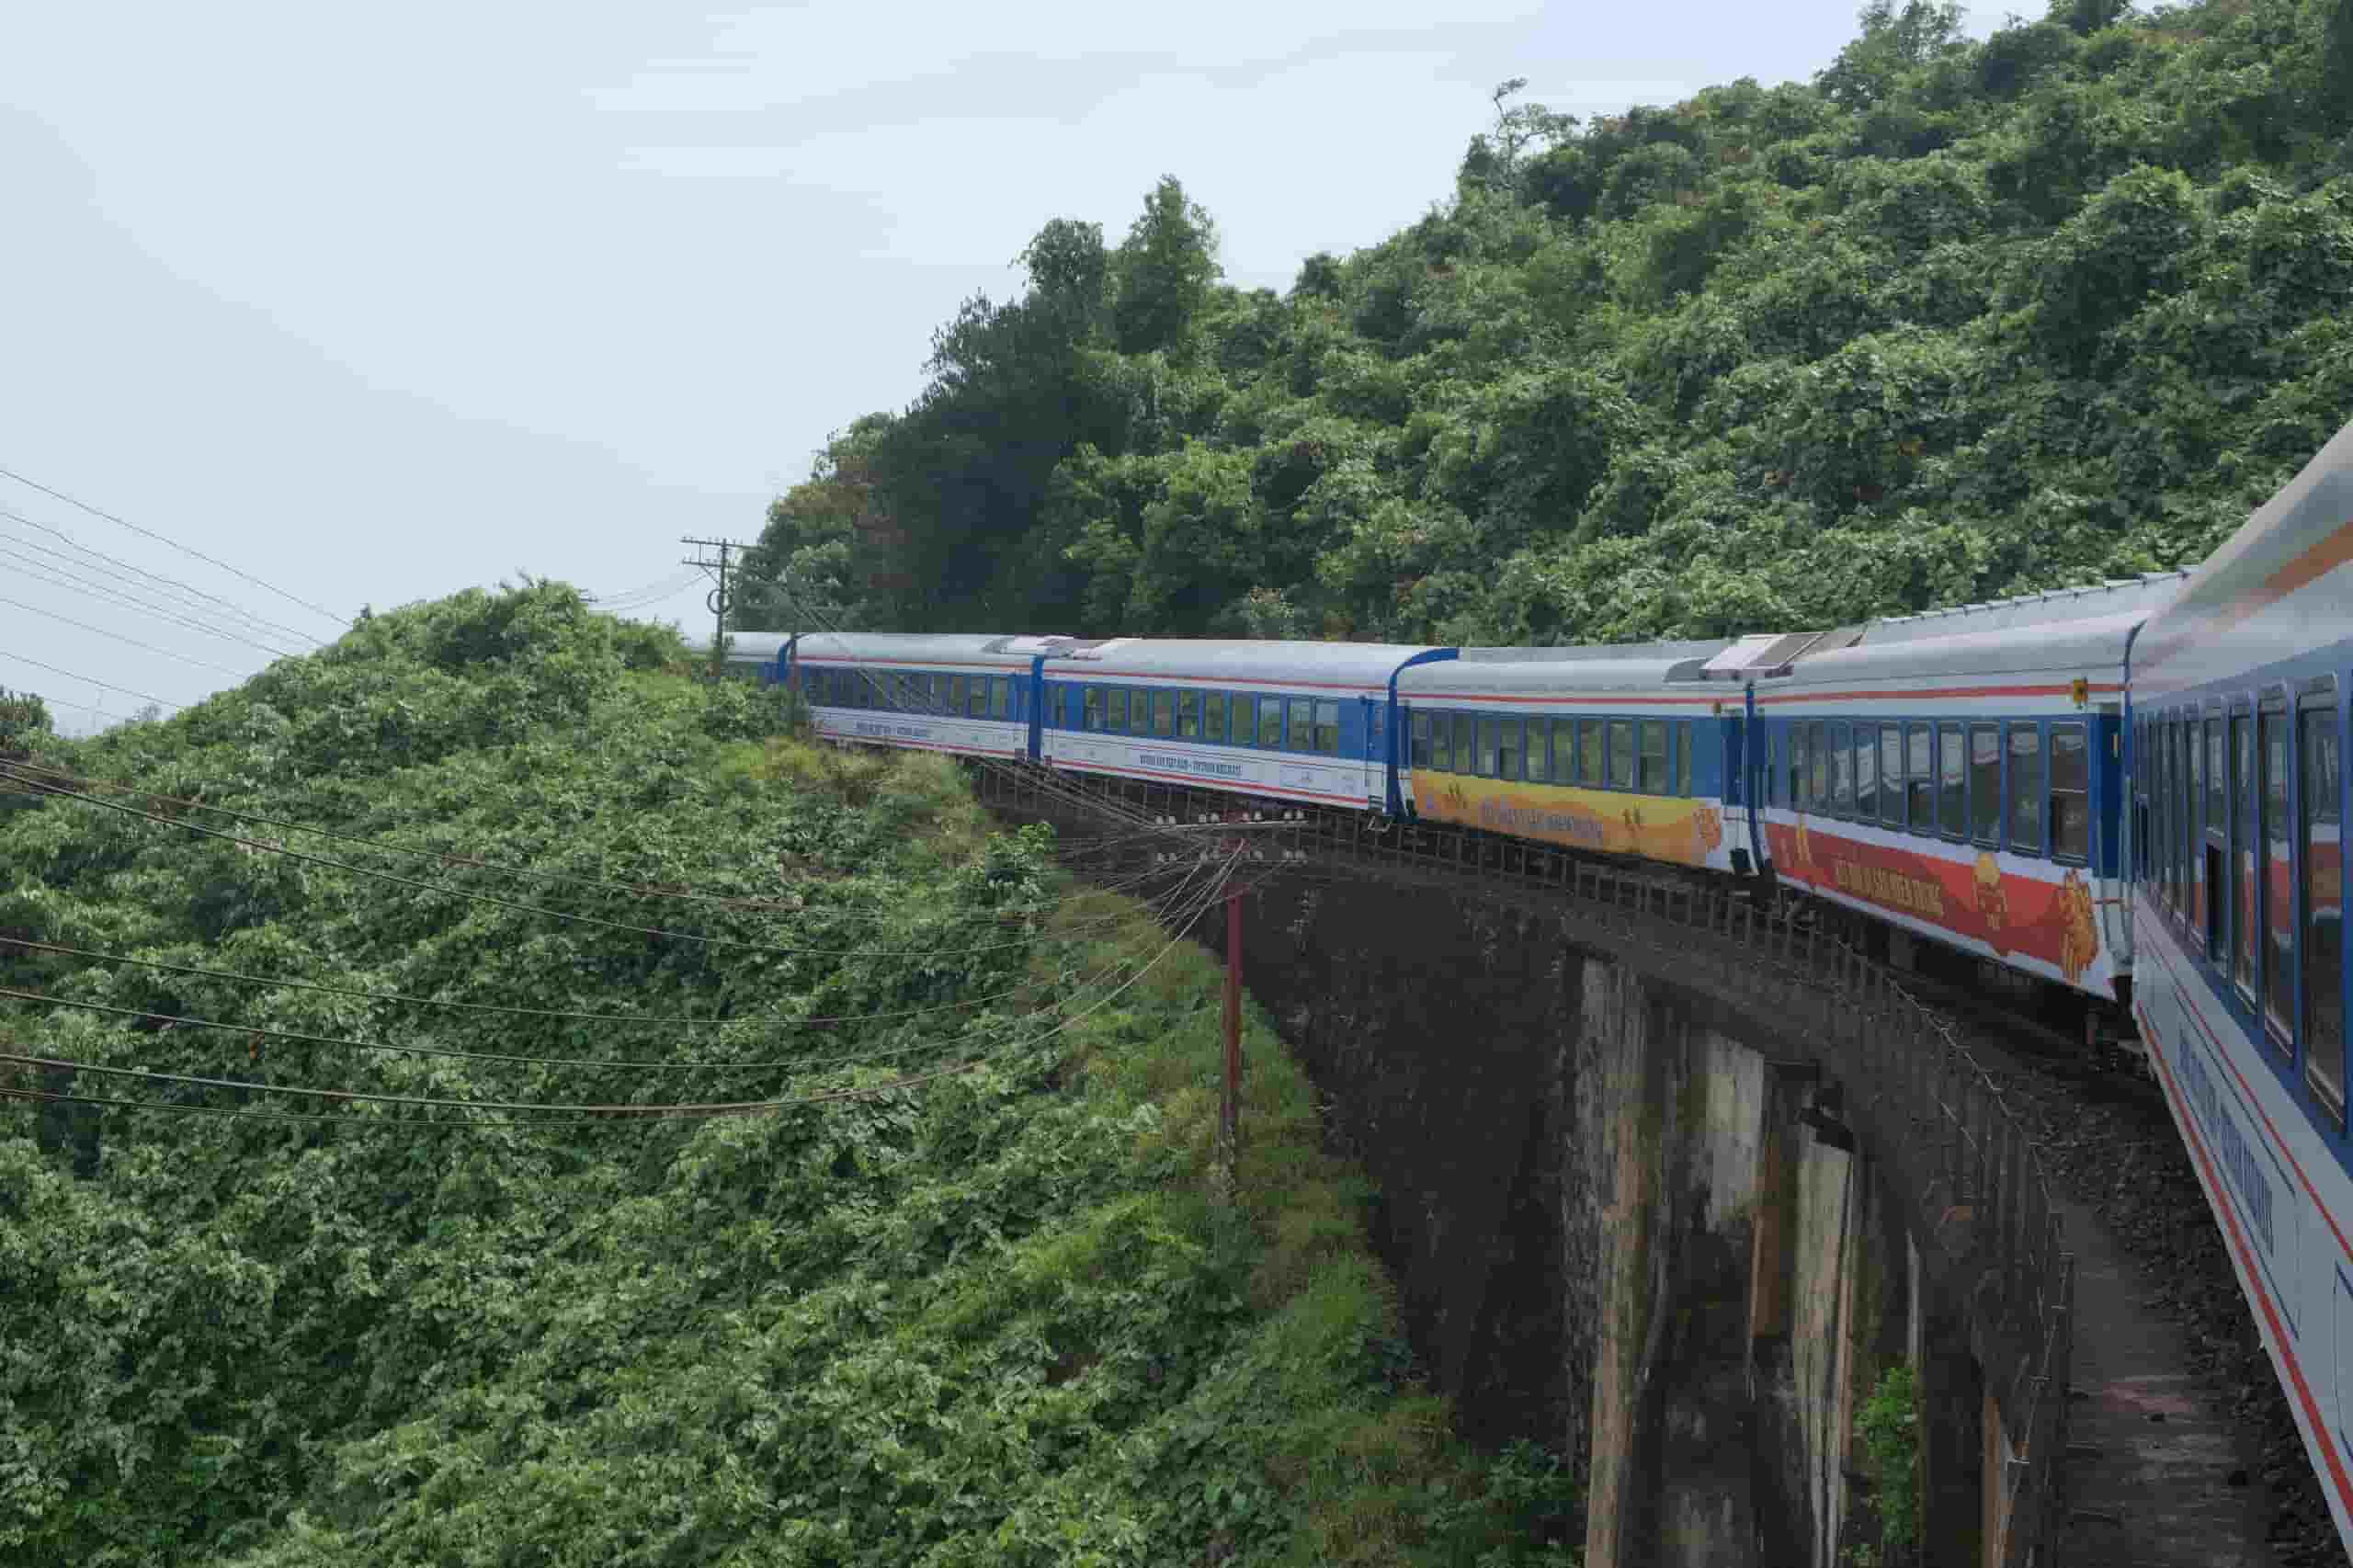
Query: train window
{"points": [[1214, 716], [1466, 744], [1683, 757], [1189, 715], [1789, 783], [2025, 788], [1538, 760], [2071, 793], [977, 705], [2218, 811], [1327, 728], [1164, 714], [2321, 906], [2194, 793], [2205, 876], [2165, 849], [1301, 736], [1491, 738], [1653, 777], [2198, 881], [1920, 778], [1865, 772], [1985, 783], [1891, 775], [1564, 751], [1842, 769], [2279, 895], [958, 696], [1511, 755], [1621, 754], [1420, 755], [1271, 722], [1589, 759], [1001, 697], [1817, 745], [1244, 726], [1139, 712], [1091, 708], [2182, 842], [2174, 761], [2243, 885], [1115, 709], [1441, 743]]}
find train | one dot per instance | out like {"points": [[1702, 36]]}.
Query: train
{"points": [[2123, 801]]}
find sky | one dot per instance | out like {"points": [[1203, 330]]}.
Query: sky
{"points": [[373, 304]]}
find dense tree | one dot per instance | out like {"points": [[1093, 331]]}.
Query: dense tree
{"points": [[1163, 272], [1979, 316], [991, 1316]]}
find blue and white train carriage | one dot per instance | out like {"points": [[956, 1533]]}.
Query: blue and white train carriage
{"points": [[973, 696], [1304, 721], [2239, 690]]}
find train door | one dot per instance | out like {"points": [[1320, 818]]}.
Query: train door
{"points": [[1401, 762], [2112, 856], [1036, 687], [1371, 773]]}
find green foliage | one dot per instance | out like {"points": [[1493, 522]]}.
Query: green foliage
{"points": [[1957, 320], [994, 1317], [1889, 1424], [22, 713]]}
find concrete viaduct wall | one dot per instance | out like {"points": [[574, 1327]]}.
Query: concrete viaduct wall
{"points": [[1580, 1101], [1609, 1227]]}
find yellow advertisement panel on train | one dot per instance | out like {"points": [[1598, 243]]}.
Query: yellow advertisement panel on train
{"points": [[1662, 827]]}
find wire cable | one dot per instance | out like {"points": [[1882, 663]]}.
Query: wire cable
{"points": [[637, 1019], [118, 596], [144, 696], [530, 1110], [186, 593], [10, 771], [61, 779], [183, 550], [127, 642]]}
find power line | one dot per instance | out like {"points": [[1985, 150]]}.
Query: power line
{"points": [[145, 697], [521, 1111], [114, 593], [186, 591], [183, 550], [59, 776], [144, 647], [9, 770]]}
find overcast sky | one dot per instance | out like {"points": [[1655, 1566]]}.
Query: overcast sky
{"points": [[377, 303]]}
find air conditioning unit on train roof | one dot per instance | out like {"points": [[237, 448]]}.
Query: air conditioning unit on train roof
{"points": [[1764, 654]]}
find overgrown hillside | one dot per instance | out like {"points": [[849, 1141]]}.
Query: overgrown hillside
{"points": [[1953, 321], [982, 1310]]}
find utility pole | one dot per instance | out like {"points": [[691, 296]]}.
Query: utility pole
{"points": [[1233, 1116], [717, 599]]}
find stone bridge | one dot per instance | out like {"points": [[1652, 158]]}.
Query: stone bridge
{"points": [[1668, 1179]]}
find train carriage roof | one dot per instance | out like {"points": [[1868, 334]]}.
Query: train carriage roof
{"points": [[1365, 665], [913, 648], [2138, 597], [744, 647], [2294, 547], [2092, 645], [1474, 678]]}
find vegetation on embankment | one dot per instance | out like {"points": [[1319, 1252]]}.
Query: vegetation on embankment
{"points": [[1956, 320], [993, 1316]]}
